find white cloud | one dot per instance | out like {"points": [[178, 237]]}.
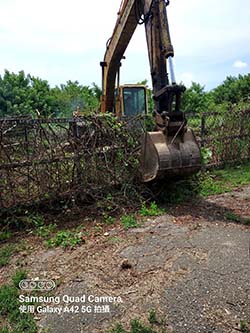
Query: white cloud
{"points": [[69, 37], [240, 64]]}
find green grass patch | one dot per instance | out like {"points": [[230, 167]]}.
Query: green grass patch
{"points": [[244, 326], [212, 184], [152, 318], [151, 210], [238, 175], [5, 235], [45, 231], [6, 253], [65, 238], [129, 221], [206, 183], [154, 325], [108, 219], [230, 216], [225, 180], [16, 322]]}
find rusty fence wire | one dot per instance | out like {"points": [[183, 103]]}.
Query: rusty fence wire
{"points": [[224, 137], [42, 159]]}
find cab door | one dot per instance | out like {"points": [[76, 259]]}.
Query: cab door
{"points": [[134, 101]]}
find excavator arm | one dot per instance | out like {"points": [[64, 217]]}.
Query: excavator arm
{"points": [[159, 49], [172, 148], [124, 29]]}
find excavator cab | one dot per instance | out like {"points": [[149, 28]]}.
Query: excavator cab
{"points": [[130, 100]]}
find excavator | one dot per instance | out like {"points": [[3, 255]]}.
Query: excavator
{"points": [[171, 149]]}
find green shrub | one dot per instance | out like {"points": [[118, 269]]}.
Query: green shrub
{"points": [[64, 238], [129, 221], [152, 210]]}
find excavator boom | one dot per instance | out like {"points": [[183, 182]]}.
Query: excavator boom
{"points": [[172, 148]]}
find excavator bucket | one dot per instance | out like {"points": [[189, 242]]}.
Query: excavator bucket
{"points": [[165, 156]]}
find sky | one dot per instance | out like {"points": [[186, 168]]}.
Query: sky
{"points": [[59, 40]]}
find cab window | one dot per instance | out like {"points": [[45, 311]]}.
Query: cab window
{"points": [[134, 101]]}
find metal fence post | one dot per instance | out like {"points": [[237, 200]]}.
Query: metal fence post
{"points": [[203, 129]]}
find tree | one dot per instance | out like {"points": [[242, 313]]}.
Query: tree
{"points": [[72, 95], [28, 95], [195, 99], [14, 94], [24, 95], [233, 90]]}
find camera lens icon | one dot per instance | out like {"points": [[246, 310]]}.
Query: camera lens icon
{"points": [[39, 285], [24, 285]]}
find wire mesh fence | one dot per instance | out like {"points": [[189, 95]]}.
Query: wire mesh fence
{"points": [[224, 136], [41, 159]]}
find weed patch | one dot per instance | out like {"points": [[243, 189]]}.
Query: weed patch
{"points": [[232, 217], [65, 239], [129, 221], [44, 231], [206, 183], [137, 326], [152, 210], [5, 234], [16, 322], [108, 219], [244, 327], [6, 253], [224, 180]]}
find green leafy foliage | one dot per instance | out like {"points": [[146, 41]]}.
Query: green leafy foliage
{"points": [[152, 318], [65, 238], [206, 155], [138, 327], [22, 94], [233, 90], [20, 219], [232, 217], [195, 99], [5, 234], [206, 183], [129, 221], [152, 210], [108, 219], [72, 96], [45, 230]]}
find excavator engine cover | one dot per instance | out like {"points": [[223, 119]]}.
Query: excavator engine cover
{"points": [[164, 156]]}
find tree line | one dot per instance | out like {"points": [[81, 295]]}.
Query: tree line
{"points": [[22, 94], [233, 91]]}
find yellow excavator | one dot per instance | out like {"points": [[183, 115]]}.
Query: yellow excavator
{"points": [[171, 149]]}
